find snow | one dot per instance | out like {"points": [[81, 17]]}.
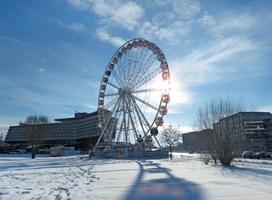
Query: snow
{"points": [[185, 177]]}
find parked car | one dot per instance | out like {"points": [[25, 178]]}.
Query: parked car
{"points": [[249, 154], [262, 155]]}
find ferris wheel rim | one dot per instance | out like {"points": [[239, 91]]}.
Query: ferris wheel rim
{"points": [[103, 84]]}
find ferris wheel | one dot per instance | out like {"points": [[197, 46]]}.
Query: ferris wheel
{"points": [[133, 94]]}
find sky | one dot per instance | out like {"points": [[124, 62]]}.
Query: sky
{"points": [[53, 53]]}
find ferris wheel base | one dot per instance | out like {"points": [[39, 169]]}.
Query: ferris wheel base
{"points": [[128, 151]]}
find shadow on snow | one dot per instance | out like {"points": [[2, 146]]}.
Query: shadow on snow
{"points": [[169, 187]]}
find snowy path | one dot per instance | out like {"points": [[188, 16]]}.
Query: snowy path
{"points": [[183, 178]]}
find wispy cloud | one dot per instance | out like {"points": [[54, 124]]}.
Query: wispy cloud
{"points": [[169, 25], [25, 44], [213, 62], [125, 14], [74, 26], [41, 69], [78, 27], [61, 94], [105, 36]]}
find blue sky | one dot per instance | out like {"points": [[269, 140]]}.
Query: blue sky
{"points": [[53, 53]]}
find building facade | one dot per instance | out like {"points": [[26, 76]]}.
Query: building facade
{"points": [[193, 141], [81, 131], [252, 130]]}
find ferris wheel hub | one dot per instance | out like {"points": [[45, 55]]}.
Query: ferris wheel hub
{"points": [[124, 92]]}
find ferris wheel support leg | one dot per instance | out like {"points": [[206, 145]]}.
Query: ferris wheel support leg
{"points": [[106, 125], [160, 147], [98, 141]]}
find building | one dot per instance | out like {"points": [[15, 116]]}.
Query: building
{"points": [[252, 130], [193, 141], [81, 131]]}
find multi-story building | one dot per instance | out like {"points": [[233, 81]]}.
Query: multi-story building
{"points": [[193, 141], [252, 130], [81, 131]]}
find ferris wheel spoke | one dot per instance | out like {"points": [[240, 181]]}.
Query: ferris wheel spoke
{"points": [[144, 102], [147, 78], [122, 65], [124, 119], [106, 123], [149, 62], [114, 123], [141, 115], [143, 72], [127, 130], [111, 103], [131, 120], [140, 119], [138, 65], [111, 94], [140, 70], [113, 111], [157, 141], [136, 122], [147, 90], [120, 129], [118, 79], [113, 85]]}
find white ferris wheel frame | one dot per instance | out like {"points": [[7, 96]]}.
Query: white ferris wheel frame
{"points": [[125, 104]]}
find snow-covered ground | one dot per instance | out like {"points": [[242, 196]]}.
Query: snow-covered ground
{"points": [[185, 177]]}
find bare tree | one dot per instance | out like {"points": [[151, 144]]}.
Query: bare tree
{"points": [[34, 119], [222, 142], [2, 137], [36, 133], [208, 146], [170, 136]]}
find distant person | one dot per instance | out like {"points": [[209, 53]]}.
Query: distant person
{"points": [[171, 156], [91, 153]]}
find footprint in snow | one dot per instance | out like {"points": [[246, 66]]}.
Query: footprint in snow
{"points": [[25, 192]]}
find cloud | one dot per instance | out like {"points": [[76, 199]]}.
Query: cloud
{"points": [[230, 25], [208, 63], [105, 36], [60, 95], [78, 27], [207, 20], [125, 14], [75, 26], [128, 15], [26, 44], [170, 25], [170, 32], [81, 4], [41, 69], [186, 8]]}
